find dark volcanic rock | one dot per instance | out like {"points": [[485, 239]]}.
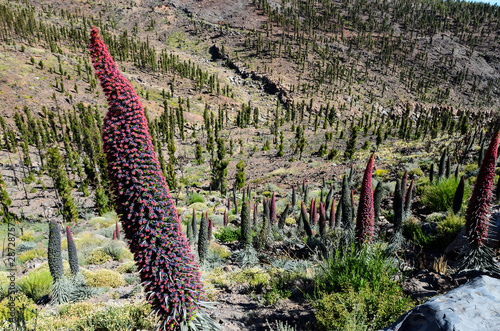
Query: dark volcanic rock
{"points": [[472, 306]]}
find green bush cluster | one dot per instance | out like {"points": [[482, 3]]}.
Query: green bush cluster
{"points": [[356, 290], [32, 254], [25, 308], [104, 277], [98, 256], [439, 195], [196, 198], [116, 318], [127, 267], [36, 284], [228, 234]]}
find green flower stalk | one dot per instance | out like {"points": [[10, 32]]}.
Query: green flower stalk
{"points": [[72, 253]]}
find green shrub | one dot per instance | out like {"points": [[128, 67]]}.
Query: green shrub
{"points": [[116, 318], [87, 240], [227, 234], [449, 228], [103, 222], [36, 284], [416, 172], [28, 236], [412, 229], [196, 197], [115, 249], [32, 254], [24, 307], [362, 309], [104, 277], [24, 246], [98, 256], [356, 289], [439, 196], [4, 284], [127, 267]]}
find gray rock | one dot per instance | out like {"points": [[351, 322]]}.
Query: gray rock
{"points": [[472, 306]]}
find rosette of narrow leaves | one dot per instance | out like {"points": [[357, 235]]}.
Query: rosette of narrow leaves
{"points": [[459, 196], [246, 229], [366, 212], [168, 271], [479, 255], [72, 253]]}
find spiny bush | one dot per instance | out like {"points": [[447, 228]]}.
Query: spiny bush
{"points": [[450, 227], [104, 277], [119, 318], [142, 200], [227, 235], [36, 284], [97, 257], [359, 281], [196, 197], [115, 249], [127, 267], [439, 195], [24, 309], [24, 246], [32, 254]]}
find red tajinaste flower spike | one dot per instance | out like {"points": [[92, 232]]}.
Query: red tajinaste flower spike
{"points": [[477, 224], [366, 213], [142, 199]]}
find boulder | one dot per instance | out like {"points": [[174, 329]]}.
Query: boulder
{"points": [[472, 306]]}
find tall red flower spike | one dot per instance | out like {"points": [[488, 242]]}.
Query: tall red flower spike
{"points": [[168, 271], [476, 225], [366, 212]]}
